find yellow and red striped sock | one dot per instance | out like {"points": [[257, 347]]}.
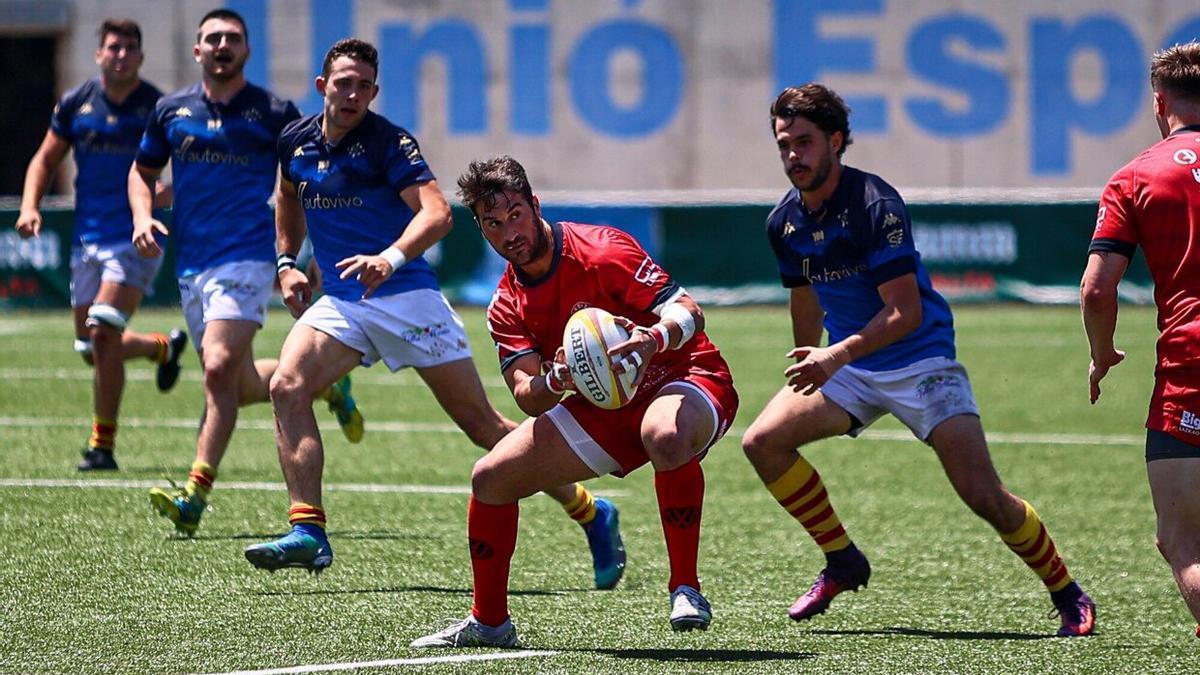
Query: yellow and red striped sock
{"points": [[802, 494], [162, 347], [201, 479], [104, 433], [582, 508], [307, 514], [1034, 546]]}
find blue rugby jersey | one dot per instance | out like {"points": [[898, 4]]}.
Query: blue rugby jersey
{"points": [[350, 193], [104, 136], [862, 239], [223, 163]]}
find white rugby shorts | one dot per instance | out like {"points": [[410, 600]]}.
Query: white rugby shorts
{"points": [[416, 328], [237, 291], [119, 263], [921, 396]]}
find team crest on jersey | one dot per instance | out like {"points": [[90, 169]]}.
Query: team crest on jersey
{"points": [[409, 147], [356, 150], [86, 109], [788, 228], [184, 111], [1185, 156], [251, 115], [648, 272], [843, 219]]}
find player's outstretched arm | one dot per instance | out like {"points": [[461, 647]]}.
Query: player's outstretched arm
{"points": [[290, 227], [537, 386], [900, 315], [141, 202], [1098, 302], [37, 180], [430, 223]]}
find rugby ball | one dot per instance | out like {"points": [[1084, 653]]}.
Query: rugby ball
{"points": [[588, 336]]}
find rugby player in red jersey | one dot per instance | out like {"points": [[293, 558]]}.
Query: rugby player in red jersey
{"points": [[1154, 202], [684, 403]]}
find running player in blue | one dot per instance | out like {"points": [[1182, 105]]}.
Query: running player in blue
{"points": [[360, 187], [843, 241], [219, 136], [102, 120]]}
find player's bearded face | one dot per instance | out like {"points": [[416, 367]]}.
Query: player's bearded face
{"points": [[119, 58], [514, 228], [222, 50], [807, 152]]}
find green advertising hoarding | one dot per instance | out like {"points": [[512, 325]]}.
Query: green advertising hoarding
{"points": [[974, 252]]}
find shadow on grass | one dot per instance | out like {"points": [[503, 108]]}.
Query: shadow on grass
{"points": [[466, 592], [702, 655], [938, 634], [382, 535]]}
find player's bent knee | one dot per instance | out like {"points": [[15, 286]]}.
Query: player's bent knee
{"points": [[287, 389], [669, 451], [106, 315]]}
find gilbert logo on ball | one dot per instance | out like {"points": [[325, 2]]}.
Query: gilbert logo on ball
{"points": [[588, 336]]}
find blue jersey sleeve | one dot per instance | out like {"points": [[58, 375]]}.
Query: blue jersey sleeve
{"points": [[404, 162], [154, 151], [63, 116], [791, 274], [285, 145], [889, 245]]}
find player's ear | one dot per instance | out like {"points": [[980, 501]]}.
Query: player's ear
{"points": [[836, 140], [319, 83], [196, 52], [537, 207]]}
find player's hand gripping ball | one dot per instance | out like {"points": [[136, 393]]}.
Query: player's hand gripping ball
{"points": [[588, 336]]}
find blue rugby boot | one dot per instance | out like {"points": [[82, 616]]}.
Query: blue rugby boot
{"points": [[604, 540], [306, 547], [342, 405]]}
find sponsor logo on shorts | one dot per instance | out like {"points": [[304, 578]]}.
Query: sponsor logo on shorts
{"points": [[428, 338], [934, 383], [1189, 422]]}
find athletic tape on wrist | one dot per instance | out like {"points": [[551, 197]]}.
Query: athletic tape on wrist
{"points": [[284, 261], [394, 256], [682, 318], [550, 385]]}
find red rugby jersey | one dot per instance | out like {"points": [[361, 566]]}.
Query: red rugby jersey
{"points": [[594, 266], [1154, 202]]}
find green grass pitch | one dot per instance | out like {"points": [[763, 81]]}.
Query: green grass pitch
{"points": [[92, 581]]}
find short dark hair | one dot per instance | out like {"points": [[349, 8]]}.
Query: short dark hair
{"points": [[359, 50], [126, 28], [1177, 69], [817, 104], [484, 180], [228, 15]]}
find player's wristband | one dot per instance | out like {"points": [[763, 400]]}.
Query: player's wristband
{"points": [[557, 391], [394, 256], [285, 261], [661, 335], [682, 318]]}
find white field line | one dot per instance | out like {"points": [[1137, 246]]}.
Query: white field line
{"points": [[422, 661], [995, 437], [380, 377], [234, 485]]}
